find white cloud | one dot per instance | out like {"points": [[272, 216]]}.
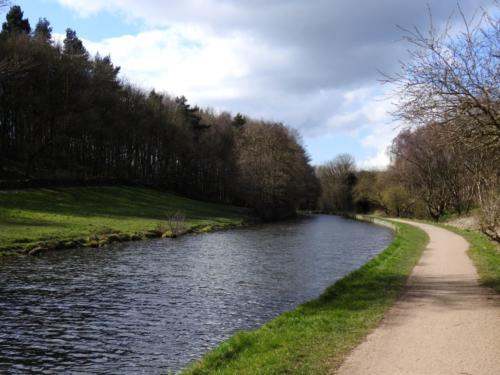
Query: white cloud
{"points": [[377, 143], [223, 72], [311, 64], [191, 60]]}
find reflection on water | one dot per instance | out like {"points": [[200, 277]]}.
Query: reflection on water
{"points": [[152, 307]]}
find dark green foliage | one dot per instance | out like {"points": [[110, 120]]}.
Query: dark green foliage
{"points": [[66, 116], [73, 45], [191, 115], [43, 31], [239, 120], [15, 23]]}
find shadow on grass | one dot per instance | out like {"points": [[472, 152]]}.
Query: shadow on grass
{"points": [[28, 222], [114, 201]]}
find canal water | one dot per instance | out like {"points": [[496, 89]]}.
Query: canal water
{"points": [[153, 307]]}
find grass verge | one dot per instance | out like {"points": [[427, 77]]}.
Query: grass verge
{"points": [[316, 336], [485, 254], [46, 219]]}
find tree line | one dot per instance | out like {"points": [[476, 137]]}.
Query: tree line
{"points": [[67, 116], [446, 160]]}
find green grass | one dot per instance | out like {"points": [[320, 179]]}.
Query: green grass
{"points": [[485, 254], [316, 336], [33, 217]]}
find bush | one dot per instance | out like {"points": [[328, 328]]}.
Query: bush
{"points": [[177, 224], [489, 215]]}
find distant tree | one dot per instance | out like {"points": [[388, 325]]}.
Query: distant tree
{"points": [[239, 121], [433, 171], [367, 193], [272, 169], [15, 23], [398, 200], [65, 116], [73, 46], [43, 31], [190, 114], [337, 178]]}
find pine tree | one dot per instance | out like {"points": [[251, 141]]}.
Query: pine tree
{"points": [[73, 46], [191, 114], [43, 30], [239, 121], [15, 23]]}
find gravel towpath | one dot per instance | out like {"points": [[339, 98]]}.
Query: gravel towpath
{"points": [[444, 323]]}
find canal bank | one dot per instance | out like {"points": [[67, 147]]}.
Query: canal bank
{"points": [[315, 337], [39, 220]]}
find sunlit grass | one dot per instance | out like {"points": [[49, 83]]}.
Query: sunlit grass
{"points": [[315, 337], [28, 217]]}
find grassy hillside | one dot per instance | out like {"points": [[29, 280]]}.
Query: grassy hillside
{"points": [[72, 217], [315, 337]]}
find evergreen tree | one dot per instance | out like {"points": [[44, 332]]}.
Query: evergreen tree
{"points": [[73, 46], [66, 116], [191, 115], [15, 23], [239, 121], [43, 30]]}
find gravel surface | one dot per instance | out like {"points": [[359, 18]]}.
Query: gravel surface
{"points": [[445, 322]]}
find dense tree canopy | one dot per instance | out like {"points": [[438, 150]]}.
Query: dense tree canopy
{"points": [[67, 116]]}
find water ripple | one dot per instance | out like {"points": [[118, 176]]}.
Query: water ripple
{"points": [[152, 307]]}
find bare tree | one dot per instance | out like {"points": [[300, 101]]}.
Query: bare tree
{"points": [[273, 169], [337, 179], [454, 79], [451, 83], [433, 171]]}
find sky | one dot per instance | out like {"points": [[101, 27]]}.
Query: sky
{"points": [[312, 64]]}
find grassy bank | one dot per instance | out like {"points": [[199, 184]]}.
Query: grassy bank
{"points": [[484, 253], [71, 217], [315, 337]]}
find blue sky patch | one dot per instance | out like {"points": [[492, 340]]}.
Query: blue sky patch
{"points": [[97, 26]]}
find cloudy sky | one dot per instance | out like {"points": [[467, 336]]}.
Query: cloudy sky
{"points": [[312, 64]]}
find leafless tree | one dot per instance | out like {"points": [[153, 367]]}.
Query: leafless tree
{"points": [[337, 179], [432, 170], [273, 169], [454, 78], [451, 83]]}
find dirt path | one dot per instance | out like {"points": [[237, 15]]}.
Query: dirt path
{"points": [[445, 323]]}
